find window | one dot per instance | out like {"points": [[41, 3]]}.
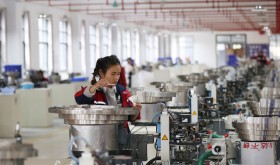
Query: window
{"points": [[83, 48], [25, 41], [98, 54], [92, 45], [228, 47], [125, 44], [149, 43], [152, 47], [109, 31], [105, 41], [174, 47], [155, 47], [45, 47], [182, 47], [2, 39], [186, 48], [63, 46], [135, 46]]}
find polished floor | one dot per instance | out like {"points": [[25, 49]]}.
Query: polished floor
{"points": [[50, 142]]}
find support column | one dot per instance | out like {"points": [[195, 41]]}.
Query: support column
{"points": [[13, 28]]}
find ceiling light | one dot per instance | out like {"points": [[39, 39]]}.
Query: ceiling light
{"points": [[115, 3], [263, 23], [43, 15], [259, 8], [266, 28]]}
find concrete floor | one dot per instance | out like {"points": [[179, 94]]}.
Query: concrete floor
{"points": [[50, 142]]}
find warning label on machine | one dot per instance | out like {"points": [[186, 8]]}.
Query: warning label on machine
{"points": [[164, 137]]}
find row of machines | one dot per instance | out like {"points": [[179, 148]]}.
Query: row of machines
{"points": [[222, 116]]}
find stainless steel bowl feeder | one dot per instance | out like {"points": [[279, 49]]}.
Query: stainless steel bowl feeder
{"points": [[154, 96], [97, 124], [214, 73], [181, 89], [272, 84], [196, 78], [12, 153], [150, 98], [272, 93], [258, 128], [265, 107]]}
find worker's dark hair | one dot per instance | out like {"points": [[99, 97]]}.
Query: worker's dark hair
{"points": [[104, 64]]}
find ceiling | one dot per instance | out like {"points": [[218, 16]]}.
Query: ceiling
{"points": [[181, 15]]}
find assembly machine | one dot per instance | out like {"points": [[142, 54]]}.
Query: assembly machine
{"points": [[223, 116]]}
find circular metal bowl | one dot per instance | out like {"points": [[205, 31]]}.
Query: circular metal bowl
{"points": [[10, 150], [92, 114], [154, 96], [272, 93], [177, 87], [258, 128], [265, 107]]}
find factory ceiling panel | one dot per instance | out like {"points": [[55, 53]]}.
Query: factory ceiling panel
{"points": [[182, 15]]}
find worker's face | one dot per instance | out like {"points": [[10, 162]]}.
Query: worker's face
{"points": [[113, 74]]}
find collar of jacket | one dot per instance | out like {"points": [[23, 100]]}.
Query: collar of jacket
{"points": [[106, 88]]}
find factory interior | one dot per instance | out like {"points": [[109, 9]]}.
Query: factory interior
{"points": [[139, 82]]}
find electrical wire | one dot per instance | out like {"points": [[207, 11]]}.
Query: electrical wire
{"points": [[152, 160], [76, 160], [145, 124], [156, 114]]}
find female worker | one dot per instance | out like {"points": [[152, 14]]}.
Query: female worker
{"points": [[104, 88]]}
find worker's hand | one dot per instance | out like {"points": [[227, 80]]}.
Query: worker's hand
{"points": [[101, 83], [137, 106]]}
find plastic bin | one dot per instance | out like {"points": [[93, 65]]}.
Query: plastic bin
{"points": [[13, 68], [79, 79]]}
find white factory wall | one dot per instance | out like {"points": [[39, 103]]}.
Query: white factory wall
{"points": [[204, 42]]}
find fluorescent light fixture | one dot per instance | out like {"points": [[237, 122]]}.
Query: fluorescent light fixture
{"points": [[43, 15], [259, 8], [266, 28], [263, 23]]}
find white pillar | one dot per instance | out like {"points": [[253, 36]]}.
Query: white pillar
{"points": [[13, 29]]}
